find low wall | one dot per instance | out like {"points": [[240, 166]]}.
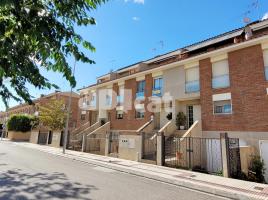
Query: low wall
{"points": [[130, 147], [34, 137], [56, 135], [19, 136]]}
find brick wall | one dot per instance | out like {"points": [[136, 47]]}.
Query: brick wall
{"points": [[248, 89], [129, 122]]}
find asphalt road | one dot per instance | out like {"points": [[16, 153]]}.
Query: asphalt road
{"points": [[30, 174]]}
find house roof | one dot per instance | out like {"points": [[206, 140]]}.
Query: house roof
{"points": [[192, 47]]}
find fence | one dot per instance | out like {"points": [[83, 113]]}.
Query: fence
{"points": [[198, 154], [149, 150], [95, 144]]}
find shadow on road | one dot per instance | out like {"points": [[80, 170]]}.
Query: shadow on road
{"points": [[14, 184]]}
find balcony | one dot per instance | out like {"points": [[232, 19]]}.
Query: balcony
{"points": [[157, 92], [191, 87], [221, 81], [266, 73], [140, 95]]}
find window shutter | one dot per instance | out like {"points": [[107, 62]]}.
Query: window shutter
{"points": [[220, 68], [265, 57], [192, 74]]}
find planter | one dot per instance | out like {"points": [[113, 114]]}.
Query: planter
{"points": [[19, 136]]}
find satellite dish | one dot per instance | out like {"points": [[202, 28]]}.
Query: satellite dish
{"points": [[246, 20]]}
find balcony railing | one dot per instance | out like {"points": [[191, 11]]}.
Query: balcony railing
{"points": [[221, 81], [192, 86], [157, 92], [140, 95], [266, 73]]}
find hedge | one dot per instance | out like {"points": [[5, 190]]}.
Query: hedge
{"points": [[20, 122]]}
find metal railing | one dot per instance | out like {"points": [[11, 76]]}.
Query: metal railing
{"points": [[197, 154]]}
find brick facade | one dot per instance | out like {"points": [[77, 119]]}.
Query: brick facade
{"points": [[129, 121], [248, 90]]}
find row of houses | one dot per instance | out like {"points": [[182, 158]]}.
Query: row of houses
{"points": [[217, 86]]}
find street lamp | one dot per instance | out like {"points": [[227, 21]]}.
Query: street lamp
{"points": [[68, 115]]}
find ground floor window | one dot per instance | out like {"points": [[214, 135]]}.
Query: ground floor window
{"points": [[119, 114], [140, 113], [222, 107]]}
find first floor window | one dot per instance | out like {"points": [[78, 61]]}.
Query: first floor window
{"points": [[119, 114], [140, 113], [222, 107]]}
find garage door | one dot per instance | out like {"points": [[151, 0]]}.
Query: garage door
{"points": [[264, 155]]}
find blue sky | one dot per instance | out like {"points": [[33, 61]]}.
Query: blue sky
{"points": [[129, 31]]}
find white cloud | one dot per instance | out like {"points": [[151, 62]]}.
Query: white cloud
{"points": [[265, 16], [136, 1], [136, 18]]}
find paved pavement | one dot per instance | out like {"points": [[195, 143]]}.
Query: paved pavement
{"points": [[27, 171]]}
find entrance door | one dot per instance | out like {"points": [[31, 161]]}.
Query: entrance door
{"points": [[193, 114], [264, 155], [94, 117]]}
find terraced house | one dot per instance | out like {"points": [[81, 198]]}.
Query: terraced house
{"points": [[220, 84]]}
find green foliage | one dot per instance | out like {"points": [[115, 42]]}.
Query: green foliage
{"points": [[53, 115], [257, 170], [20, 122], [180, 119], [40, 34]]}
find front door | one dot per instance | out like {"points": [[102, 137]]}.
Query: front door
{"points": [[193, 114]]}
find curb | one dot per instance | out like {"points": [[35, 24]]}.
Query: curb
{"points": [[185, 183]]}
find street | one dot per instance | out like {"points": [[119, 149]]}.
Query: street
{"points": [[30, 174]]}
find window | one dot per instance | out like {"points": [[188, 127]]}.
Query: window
{"points": [[120, 97], [192, 80], [108, 101], [265, 56], [157, 86], [140, 89], [140, 113], [220, 73], [93, 100], [119, 114], [222, 107]]}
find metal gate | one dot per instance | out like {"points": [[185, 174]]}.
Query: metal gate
{"points": [[197, 154], [42, 138], [233, 154], [114, 144], [96, 144], [149, 149]]}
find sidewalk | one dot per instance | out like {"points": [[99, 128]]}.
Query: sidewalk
{"points": [[230, 188]]}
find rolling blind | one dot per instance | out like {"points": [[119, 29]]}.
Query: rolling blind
{"points": [[220, 68], [192, 74]]}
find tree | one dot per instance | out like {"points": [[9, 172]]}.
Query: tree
{"points": [[38, 34], [53, 114], [20, 122]]}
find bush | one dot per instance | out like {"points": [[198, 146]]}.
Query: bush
{"points": [[21, 123], [180, 120], [257, 170]]}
